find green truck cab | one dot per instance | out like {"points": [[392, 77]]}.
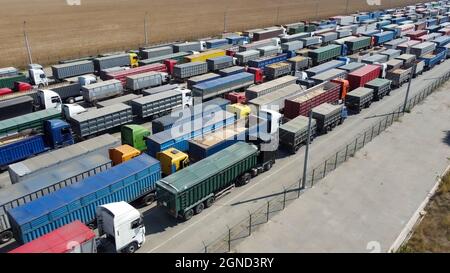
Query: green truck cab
{"points": [[134, 135]]}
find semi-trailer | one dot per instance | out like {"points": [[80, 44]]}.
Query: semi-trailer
{"points": [[294, 133], [391, 53], [324, 54], [202, 57], [324, 67], [258, 44], [441, 41], [358, 44], [217, 87], [291, 46], [95, 121], [275, 100], [137, 83], [199, 184], [21, 171], [394, 64], [186, 47], [159, 89], [160, 103], [132, 180], [177, 137], [32, 121], [56, 133], [231, 71], [43, 183], [394, 43], [329, 75], [8, 81], [267, 51], [263, 62], [360, 77], [201, 78], [399, 76], [359, 99], [328, 116], [405, 47], [242, 58], [299, 63], [179, 57], [276, 70], [16, 107], [300, 104], [375, 59], [123, 74], [311, 41], [381, 88], [155, 52], [187, 70], [68, 70], [266, 34], [328, 37], [219, 63], [350, 67], [127, 59], [422, 49], [93, 93], [126, 99], [430, 60]]}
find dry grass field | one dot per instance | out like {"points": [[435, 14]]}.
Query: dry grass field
{"points": [[59, 31]]}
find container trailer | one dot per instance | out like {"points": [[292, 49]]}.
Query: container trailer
{"points": [[324, 67], [360, 77], [299, 63], [32, 121], [325, 53], [300, 104], [329, 75], [422, 49], [380, 87], [139, 82], [177, 137], [219, 63], [359, 99], [263, 62], [127, 59], [399, 76], [358, 44], [93, 93], [276, 70], [202, 57], [275, 100], [99, 120], [217, 87], [179, 57], [68, 70], [294, 133], [328, 116], [201, 78], [186, 47], [43, 183], [231, 71], [155, 52], [352, 66], [16, 107], [267, 34], [187, 70], [129, 181], [56, 133], [8, 81], [123, 74], [197, 184], [126, 99]]}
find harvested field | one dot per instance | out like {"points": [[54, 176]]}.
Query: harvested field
{"points": [[60, 31]]}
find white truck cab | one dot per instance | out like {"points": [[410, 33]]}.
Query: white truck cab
{"points": [[37, 75], [123, 224], [186, 95], [70, 110], [87, 80], [274, 117], [276, 41], [49, 99]]}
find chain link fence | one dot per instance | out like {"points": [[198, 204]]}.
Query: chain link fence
{"points": [[244, 228]]}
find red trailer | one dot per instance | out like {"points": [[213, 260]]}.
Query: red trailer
{"points": [[236, 97], [416, 34], [328, 92], [122, 75], [360, 77], [75, 237], [170, 64], [258, 72]]}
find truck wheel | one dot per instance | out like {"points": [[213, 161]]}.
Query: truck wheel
{"points": [[71, 100], [188, 215], [268, 166], [148, 199], [199, 208], [245, 179], [209, 202], [131, 248], [92, 225], [296, 148], [5, 237]]}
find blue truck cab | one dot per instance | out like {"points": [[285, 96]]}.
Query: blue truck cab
{"points": [[57, 133]]}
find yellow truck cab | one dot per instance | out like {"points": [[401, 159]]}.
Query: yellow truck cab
{"points": [[122, 153], [134, 60], [240, 110], [172, 160]]}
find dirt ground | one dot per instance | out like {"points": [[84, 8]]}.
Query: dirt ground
{"points": [[433, 233], [59, 31]]}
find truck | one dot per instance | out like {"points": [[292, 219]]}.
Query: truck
{"points": [[137, 83], [328, 116], [329, 75], [119, 224], [351, 67], [299, 63], [359, 99], [179, 57], [324, 67], [217, 87], [383, 37], [126, 99], [187, 70], [147, 53], [186, 47], [16, 107], [219, 63], [266, 34], [274, 100], [68, 70], [422, 49], [235, 165], [242, 58], [263, 62], [433, 59], [294, 133], [360, 77], [55, 159], [93, 93], [202, 57], [126, 59], [265, 88], [32, 121], [381, 88], [161, 103], [130, 181], [56, 133], [276, 70], [42, 183], [177, 137], [123, 74], [8, 81], [324, 54], [99, 120], [358, 44], [300, 104], [399, 76]]}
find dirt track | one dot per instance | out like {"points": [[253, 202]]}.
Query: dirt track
{"points": [[59, 31]]}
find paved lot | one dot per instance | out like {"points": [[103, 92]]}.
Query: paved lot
{"points": [[364, 204]]}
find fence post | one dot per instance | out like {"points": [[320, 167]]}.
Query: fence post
{"points": [[356, 145], [379, 128], [364, 140], [335, 162], [284, 198], [250, 224], [325, 168], [386, 122], [205, 247], [371, 134], [346, 153], [312, 179], [229, 238], [268, 209]]}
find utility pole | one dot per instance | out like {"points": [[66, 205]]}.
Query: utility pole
{"points": [[346, 8], [27, 45], [305, 163], [278, 15], [225, 21], [145, 29], [413, 71]]}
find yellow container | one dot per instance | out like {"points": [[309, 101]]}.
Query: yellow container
{"points": [[202, 57], [240, 110], [122, 153], [172, 160]]}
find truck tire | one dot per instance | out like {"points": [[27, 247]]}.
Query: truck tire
{"points": [[245, 179], [92, 225], [131, 248], [199, 208], [188, 215], [296, 148], [70, 100], [5, 237], [209, 202], [148, 199], [268, 166]]}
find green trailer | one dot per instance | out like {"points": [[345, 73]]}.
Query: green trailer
{"points": [[381, 88], [324, 54], [8, 82], [358, 44], [296, 29], [310, 28], [196, 187], [32, 121]]}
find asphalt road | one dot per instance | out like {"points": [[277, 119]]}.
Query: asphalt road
{"points": [[168, 235]]}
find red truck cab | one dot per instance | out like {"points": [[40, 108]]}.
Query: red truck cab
{"points": [[259, 74]]}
